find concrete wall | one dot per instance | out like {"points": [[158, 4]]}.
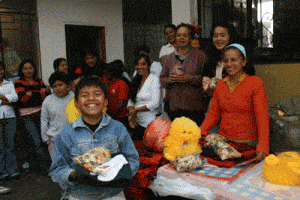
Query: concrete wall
{"points": [[181, 11], [281, 80], [55, 14]]}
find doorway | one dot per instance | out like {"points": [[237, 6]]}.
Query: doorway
{"points": [[79, 37]]}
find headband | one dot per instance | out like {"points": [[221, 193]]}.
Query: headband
{"points": [[239, 47]]}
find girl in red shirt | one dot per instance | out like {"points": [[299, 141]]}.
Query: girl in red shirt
{"points": [[31, 92]]}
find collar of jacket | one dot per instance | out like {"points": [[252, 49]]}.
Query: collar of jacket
{"points": [[79, 122]]}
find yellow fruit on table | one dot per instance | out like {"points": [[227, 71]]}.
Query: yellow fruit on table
{"points": [[283, 169]]}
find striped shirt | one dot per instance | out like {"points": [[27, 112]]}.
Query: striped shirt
{"points": [[29, 101]]}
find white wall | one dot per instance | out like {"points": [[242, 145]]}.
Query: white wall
{"points": [[181, 11], [54, 14], [184, 11]]}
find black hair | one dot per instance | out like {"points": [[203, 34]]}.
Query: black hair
{"points": [[91, 81], [57, 62], [234, 37], [140, 48], [139, 56], [119, 63], [214, 54], [170, 26], [115, 68], [100, 66], [136, 81], [91, 51], [190, 28], [20, 73], [59, 76], [2, 64]]}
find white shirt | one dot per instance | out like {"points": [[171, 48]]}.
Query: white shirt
{"points": [[219, 70], [53, 116], [155, 68], [125, 75], [166, 50], [7, 89], [149, 96]]}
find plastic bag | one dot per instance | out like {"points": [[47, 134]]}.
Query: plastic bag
{"points": [[221, 147], [187, 162], [167, 186], [93, 158], [165, 116]]}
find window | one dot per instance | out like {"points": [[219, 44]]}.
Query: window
{"points": [[264, 23], [271, 27], [19, 34]]}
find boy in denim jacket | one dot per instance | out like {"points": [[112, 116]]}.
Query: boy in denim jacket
{"points": [[92, 129]]}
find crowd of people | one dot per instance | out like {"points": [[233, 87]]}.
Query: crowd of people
{"points": [[99, 104]]}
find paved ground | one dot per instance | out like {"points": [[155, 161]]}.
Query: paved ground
{"points": [[32, 187]]}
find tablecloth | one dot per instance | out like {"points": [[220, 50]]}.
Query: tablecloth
{"points": [[249, 184]]}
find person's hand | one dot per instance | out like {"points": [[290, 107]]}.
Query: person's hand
{"points": [[172, 78], [183, 78], [132, 123], [44, 90], [260, 156], [205, 83], [131, 120], [2, 97], [5, 102], [29, 93], [72, 175], [132, 113], [132, 117], [179, 78]]}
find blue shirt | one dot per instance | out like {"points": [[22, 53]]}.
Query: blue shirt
{"points": [[76, 139]]}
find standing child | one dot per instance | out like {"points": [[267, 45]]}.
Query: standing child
{"points": [[118, 93], [60, 65], [8, 124], [92, 65], [92, 129], [53, 114], [72, 112], [31, 92]]}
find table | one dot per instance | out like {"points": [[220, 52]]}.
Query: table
{"points": [[247, 184]]}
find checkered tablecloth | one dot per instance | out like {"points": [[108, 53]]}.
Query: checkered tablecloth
{"points": [[253, 186]]}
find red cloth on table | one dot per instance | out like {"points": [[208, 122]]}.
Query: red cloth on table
{"points": [[149, 163], [248, 151]]}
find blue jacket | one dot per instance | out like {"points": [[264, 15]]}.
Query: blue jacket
{"points": [[76, 139]]}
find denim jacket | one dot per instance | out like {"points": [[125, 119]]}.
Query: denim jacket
{"points": [[76, 139]]}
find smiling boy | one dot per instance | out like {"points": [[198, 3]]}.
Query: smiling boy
{"points": [[92, 129], [53, 114]]}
